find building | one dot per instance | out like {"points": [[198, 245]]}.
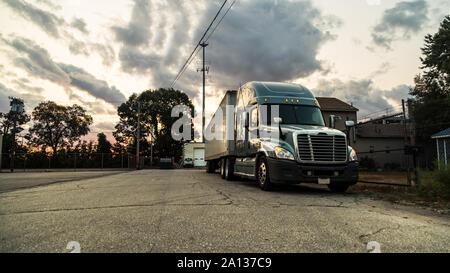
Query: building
{"points": [[342, 112], [381, 140], [443, 145], [338, 108], [195, 151]]}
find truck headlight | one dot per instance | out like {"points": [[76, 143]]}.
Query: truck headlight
{"points": [[352, 154], [282, 153]]}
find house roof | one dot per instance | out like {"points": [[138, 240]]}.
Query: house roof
{"points": [[334, 104], [442, 134]]}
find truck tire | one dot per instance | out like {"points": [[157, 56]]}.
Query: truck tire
{"points": [[262, 174], [222, 168], [229, 169], [210, 168], [338, 188]]}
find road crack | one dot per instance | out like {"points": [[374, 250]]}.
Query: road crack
{"points": [[361, 237]]}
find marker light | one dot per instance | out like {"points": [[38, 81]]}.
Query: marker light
{"points": [[298, 101], [287, 100], [265, 99], [292, 100]]}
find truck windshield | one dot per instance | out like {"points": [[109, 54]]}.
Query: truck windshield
{"points": [[300, 115]]}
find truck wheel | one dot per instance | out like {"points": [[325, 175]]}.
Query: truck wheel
{"points": [[210, 167], [262, 175], [222, 168], [229, 169], [338, 188]]}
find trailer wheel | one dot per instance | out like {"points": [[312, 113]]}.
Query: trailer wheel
{"points": [[222, 168], [338, 188], [262, 175], [210, 167], [229, 169]]}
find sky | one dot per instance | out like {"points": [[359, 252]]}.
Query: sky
{"points": [[96, 53]]}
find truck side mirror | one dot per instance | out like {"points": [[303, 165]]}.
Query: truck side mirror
{"points": [[278, 120], [349, 123]]}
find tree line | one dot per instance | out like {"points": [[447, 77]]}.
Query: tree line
{"points": [[54, 137]]}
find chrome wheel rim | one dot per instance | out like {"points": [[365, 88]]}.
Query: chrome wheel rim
{"points": [[262, 173]]}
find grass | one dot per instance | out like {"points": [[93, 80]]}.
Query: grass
{"points": [[433, 190], [435, 183]]}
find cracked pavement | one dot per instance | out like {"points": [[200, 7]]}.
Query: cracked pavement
{"points": [[192, 211]]}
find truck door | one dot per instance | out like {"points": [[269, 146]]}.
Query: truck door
{"points": [[253, 133]]}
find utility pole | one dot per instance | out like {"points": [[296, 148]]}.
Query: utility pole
{"points": [[138, 137], [13, 152], [151, 151], [1, 155], [405, 139], [204, 69]]}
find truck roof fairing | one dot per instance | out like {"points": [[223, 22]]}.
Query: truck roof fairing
{"points": [[282, 93]]}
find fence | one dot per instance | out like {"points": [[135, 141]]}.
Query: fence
{"points": [[41, 160]]}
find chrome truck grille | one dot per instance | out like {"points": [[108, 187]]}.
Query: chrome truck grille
{"points": [[322, 148]]}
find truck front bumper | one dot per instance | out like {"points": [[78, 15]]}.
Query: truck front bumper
{"points": [[292, 172]]}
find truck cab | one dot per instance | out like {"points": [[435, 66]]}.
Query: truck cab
{"points": [[306, 151]]}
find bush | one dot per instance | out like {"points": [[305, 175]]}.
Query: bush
{"points": [[435, 183], [367, 164], [392, 166]]}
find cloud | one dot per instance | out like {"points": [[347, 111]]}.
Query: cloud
{"points": [[137, 32], [362, 94], [400, 22], [384, 68], [87, 82], [106, 52], [57, 27], [5, 92], [134, 60], [80, 24], [276, 43], [105, 126], [47, 21], [257, 40], [50, 4], [37, 62]]}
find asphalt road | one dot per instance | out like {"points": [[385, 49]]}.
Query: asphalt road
{"points": [[191, 211], [22, 180]]}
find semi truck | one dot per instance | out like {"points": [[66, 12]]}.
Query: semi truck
{"points": [[306, 151]]}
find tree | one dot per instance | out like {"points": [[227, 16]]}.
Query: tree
{"points": [[57, 125], [437, 49], [431, 109], [156, 108], [103, 145]]}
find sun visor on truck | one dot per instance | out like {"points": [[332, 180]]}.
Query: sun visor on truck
{"points": [[282, 93]]}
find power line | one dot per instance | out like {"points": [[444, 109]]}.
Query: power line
{"points": [[379, 112], [188, 61], [209, 36], [225, 14]]}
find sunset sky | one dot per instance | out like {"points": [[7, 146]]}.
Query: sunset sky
{"points": [[97, 52]]}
